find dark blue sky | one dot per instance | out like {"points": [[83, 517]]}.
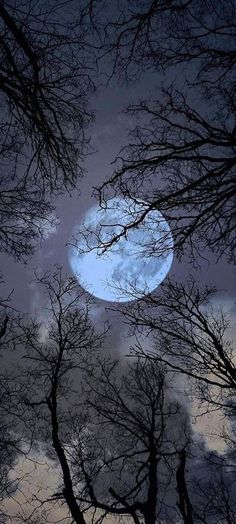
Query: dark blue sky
{"points": [[109, 134]]}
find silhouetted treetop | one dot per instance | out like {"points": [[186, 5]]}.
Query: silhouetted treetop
{"points": [[181, 163], [153, 34], [191, 335], [46, 70], [180, 158]]}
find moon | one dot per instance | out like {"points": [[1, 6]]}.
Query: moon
{"points": [[132, 267]]}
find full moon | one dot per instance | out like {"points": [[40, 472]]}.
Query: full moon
{"points": [[130, 268]]}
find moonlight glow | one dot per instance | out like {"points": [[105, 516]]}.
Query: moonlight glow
{"points": [[115, 274]]}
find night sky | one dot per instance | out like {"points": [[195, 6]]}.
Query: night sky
{"points": [[109, 133], [108, 136]]}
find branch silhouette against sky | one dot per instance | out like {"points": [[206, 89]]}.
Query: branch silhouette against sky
{"points": [[117, 412]]}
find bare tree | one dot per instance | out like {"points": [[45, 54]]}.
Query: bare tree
{"points": [[207, 491], [119, 433], [10, 445], [180, 158], [45, 79], [150, 35], [44, 389], [183, 165], [183, 503], [190, 335], [129, 465], [10, 448], [112, 431]]}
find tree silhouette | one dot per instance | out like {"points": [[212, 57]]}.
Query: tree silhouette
{"points": [[111, 431], [172, 32], [53, 353], [10, 445], [120, 433], [191, 336], [137, 438], [207, 495], [181, 155], [45, 80]]}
